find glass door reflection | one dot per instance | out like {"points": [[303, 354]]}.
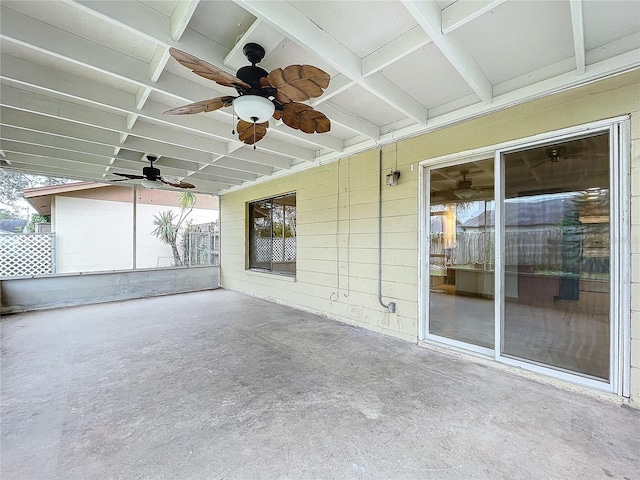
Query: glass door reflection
{"points": [[556, 256], [461, 253]]}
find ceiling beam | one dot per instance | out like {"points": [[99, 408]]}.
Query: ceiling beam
{"points": [[53, 153], [428, 15], [461, 12], [125, 161], [43, 105], [577, 25], [53, 41], [368, 129], [339, 83], [63, 45], [25, 73], [181, 16], [69, 160], [54, 126], [192, 162], [393, 51], [157, 133], [164, 150], [16, 134], [70, 170], [288, 20], [171, 136], [178, 23], [150, 24], [619, 64], [54, 166], [259, 32]]}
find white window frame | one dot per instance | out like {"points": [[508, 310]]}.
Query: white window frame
{"points": [[620, 297], [248, 267]]}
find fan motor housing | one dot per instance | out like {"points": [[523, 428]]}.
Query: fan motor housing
{"points": [[253, 52], [251, 74], [151, 173]]}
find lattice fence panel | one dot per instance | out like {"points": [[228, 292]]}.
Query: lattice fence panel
{"points": [[263, 249], [202, 245], [276, 250], [286, 252], [26, 254]]}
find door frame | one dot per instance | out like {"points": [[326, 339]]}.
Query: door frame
{"points": [[620, 260]]}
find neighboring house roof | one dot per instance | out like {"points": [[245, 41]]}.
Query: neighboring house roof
{"points": [[12, 225], [545, 211], [40, 198]]}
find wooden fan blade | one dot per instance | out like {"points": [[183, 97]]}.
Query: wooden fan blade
{"points": [[246, 131], [264, 82], [178, 184], [297, 83], [127, 176], [305, 118], [206, 70], [202, 106]]}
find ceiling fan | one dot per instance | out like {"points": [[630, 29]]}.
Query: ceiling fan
{"points": [[553, 155], [151, 177], [261, 94], [464, 190]]}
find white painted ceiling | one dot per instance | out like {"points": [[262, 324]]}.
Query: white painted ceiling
{"points": [[84, 84]]}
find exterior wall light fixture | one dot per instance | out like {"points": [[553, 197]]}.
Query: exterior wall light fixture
{"points": [[392, 178]]}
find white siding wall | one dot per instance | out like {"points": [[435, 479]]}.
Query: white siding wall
{"points": [[336, 232], [337, 215], [96, 235], [634, 109]]}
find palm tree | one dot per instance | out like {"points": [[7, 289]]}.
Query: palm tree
{"points": [[168, 224]]}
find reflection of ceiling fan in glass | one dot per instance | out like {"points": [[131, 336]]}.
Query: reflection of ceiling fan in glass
{"points": [[465, 190], [553, 155]]}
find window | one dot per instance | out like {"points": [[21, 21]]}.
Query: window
{"points": [[272, 234]]}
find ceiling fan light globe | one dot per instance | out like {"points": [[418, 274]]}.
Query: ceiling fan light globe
{"points": [[150, 183], [463, 193], [253, 108]]}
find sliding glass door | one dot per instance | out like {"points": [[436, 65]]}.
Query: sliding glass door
{"points": [[461, 256], [556, 237], [521, 257]]}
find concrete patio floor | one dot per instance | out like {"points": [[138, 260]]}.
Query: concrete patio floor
{"points": [[217, 385]]}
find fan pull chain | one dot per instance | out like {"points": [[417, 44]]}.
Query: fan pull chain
{"points": [[255, 119], [233, 123]]}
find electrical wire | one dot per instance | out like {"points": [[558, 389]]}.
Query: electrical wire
{"points": [[387, 306], [337, 235], [348, 228]]}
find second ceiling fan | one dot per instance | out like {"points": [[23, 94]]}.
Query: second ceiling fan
{"points": [[261, 94]]}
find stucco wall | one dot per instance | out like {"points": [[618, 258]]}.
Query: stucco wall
{"points": [[337, 215], [96, 235], [55, 291]]}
